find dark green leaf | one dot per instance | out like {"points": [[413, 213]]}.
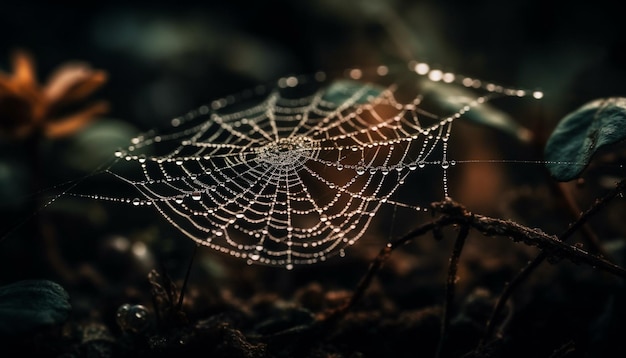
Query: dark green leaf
{"points": [[454, 98], [28, 305], [14, 180], [351, 92], [96, 143], [582, 133]]}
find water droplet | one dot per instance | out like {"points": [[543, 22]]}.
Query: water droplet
{"points": [[421, 164], [136, 201], [360, 170], [178, 200], [445, 164], [289, 266], [196, 195], [412, 166], [179, 162], [122, 314], [132, 318], [339, 166]]}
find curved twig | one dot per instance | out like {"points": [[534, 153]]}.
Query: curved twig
{"points": [[532, 265], [452, 269], [376, 265], [452, 213]]}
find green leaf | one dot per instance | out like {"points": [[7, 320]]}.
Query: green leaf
{"points": [[454, 98], [14, 180], [96, 143], [346, 92], [580, 134], [26, 306]]}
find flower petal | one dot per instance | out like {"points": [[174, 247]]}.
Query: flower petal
{"points": [[24, 80], [83, 89], [24, 69], [6, 86], [68, 125], [73, 82]]}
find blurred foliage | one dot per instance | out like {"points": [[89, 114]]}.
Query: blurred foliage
{"points": [[30, 109], [340, 92], [27, 306], [453, 99]]}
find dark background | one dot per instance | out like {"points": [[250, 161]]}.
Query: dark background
{"points": [[164, 59]]}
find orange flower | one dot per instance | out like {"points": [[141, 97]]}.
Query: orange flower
{"points": [[28, 108]]}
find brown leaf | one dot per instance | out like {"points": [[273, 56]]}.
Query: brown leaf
{"points": [[70, 124], [27, 108], [73, 82], [24, 69]]}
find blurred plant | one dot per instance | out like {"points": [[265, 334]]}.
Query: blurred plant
{"points": [[31, 112], [28, 108]]}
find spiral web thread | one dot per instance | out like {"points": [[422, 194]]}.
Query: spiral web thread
{"points": [[298, 175]]}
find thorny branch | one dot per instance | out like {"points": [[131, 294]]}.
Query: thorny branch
{"points": [[453, 213], [532, 265]]}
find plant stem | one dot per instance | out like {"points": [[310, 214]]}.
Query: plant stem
{"points": [[375, 266], [590, 237], [450, 285], [181, 295], [454, 213], [532, 265]]}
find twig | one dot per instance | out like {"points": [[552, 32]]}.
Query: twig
{"points": [[181, 294], [595, 208], [552, 247], [376, 265], [454, 213], [532, 265], [506, 293], [590, 237], [452, 269]]}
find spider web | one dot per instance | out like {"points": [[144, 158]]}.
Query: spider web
{"points": [[293, 173]]}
